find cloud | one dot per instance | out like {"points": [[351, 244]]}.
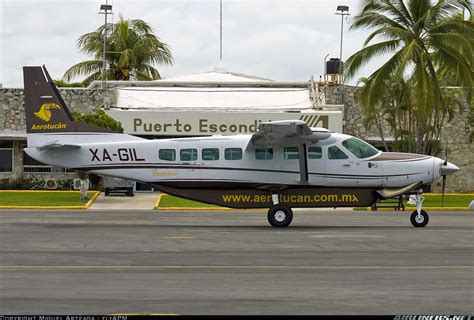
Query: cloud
{"points": [[282, 40]]}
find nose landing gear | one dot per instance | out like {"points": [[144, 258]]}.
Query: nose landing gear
{"points": [[419, 218]]}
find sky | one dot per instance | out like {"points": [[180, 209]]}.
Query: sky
{"points": [[285, 40]]}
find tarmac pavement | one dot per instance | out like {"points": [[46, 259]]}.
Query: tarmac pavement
{"points": [[233, 262]]}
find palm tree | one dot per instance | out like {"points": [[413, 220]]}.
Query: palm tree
{"points": [[131, 51], [426, 40]]}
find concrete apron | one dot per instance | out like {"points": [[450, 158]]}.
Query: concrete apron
{"points": [[141, 201]]}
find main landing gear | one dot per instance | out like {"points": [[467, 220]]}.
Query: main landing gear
{"points": [[419, 218], [279, 215]]}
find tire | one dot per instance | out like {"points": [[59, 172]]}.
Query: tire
{"points": [[419, 222], [107, 191], [130, 192], [280, 216]]}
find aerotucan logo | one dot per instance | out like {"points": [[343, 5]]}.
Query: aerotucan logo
{"points": [[44, 112]]}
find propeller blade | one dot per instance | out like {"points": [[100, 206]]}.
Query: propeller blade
{"points": [[443, 187], [446, 156]]}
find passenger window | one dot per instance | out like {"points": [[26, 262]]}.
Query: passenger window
{"points": [[264, 154], [290, 153], [336, 153], [167, 154], [315, 153], [188, 154], [210, 154], [233, 154]]}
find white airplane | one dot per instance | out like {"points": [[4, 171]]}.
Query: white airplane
{"points": [[285, 164]]}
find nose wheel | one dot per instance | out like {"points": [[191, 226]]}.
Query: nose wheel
{"points": [[280, 216], [419, 220]]}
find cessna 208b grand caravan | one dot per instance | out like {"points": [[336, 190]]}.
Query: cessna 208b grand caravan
{"points": [[284, 164]]}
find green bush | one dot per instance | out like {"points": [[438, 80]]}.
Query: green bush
{"points": [[23, 183], [65, 184], [32, 182], [98, 119], [64, 84]]}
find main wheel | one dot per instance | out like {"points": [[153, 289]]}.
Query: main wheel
{"points": [[419, 221], [280, 216]]}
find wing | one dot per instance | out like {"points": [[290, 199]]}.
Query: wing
{"points": [[278, 134]]}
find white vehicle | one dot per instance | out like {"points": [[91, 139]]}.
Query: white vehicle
{"points": [[285, 164]]}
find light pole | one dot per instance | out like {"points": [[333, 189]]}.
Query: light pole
{"points": [[342, 10], [105, 9]]}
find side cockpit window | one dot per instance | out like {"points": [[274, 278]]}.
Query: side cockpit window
{"points": [[359, 148], [334, 153]]}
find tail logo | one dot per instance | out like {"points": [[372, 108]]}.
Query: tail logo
{"points": [[44, 112]]}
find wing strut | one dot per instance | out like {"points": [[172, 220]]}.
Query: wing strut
{"points": [[303, 158]]}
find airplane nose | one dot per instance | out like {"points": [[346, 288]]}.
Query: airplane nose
{"points": [[448, 168]]}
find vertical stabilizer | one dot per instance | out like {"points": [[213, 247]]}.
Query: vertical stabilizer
{"points": [[46, 111]]}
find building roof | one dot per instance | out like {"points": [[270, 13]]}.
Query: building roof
{"points": [[217, 75], [12, 135], [217, 90]]}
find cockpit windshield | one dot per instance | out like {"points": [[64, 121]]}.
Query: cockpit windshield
{"points": [[359, 148]]}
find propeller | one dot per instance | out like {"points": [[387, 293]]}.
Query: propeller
{"points": [[443, 183]]}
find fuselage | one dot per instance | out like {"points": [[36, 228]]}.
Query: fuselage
{"points": [[340, 161]]}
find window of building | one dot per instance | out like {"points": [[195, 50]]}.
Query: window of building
{"points": [[6, 156], [264, 153], [290, 153], [167, 154], [359, 148], [188, 154], [233, 154], [335, 153], [315, 153], [210, 154]]}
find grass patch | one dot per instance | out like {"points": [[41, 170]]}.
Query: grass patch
{"points": [[434, 200], [460, 201], [169, 201], [43, 199]]}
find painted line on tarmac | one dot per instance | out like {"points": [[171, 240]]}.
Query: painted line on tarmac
{"points": [[295, 267], [179, 238]]}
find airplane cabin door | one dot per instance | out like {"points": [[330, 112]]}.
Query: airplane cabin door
{"points": [[342, 169]]}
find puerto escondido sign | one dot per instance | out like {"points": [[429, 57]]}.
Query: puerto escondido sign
{"points": [[210, 123]]}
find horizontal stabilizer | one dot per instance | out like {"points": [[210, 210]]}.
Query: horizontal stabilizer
{"points": [[395, 192], [56, 145]]}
